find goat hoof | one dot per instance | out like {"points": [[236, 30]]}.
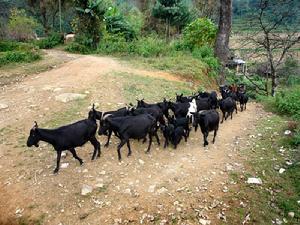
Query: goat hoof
{"points": [[106, 145], [55, 171]]}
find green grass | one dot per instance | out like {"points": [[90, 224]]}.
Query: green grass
{"points": [[70, 114], [185, 66], [279, 193], [149, 88]]}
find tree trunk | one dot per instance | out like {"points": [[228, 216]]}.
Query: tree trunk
{"points": [[274, 83], [222, 40]]}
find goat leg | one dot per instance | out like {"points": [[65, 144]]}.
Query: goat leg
{"points": [[96, 144], [150, 142], [123, 141], [205, 138], [215, 134], [129, 150], [157, 138], [108, 138], [72, 150], [57, 161]]}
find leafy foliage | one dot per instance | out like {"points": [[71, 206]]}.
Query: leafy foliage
{"points": [[200, 32], [51, 41], [90, 16], [173, 12], [20, 26], [287, 101], [12, 52], [116, 23], [75, 47]]}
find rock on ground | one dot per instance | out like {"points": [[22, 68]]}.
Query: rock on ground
{"points": [[67, 97]]}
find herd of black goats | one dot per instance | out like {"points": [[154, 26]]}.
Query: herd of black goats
{"points": [[145, 119]]}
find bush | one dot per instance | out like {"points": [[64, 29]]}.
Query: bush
{"points": [[145, 46], [200, 32], [75, 47], [287, 101], [51, 41], [13, 45], [206, 54], [151, 46], [111, 44], [20, 26], [18, 56], [128, 26]]}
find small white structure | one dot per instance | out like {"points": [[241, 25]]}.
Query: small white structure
{"points": [[238, 64]]}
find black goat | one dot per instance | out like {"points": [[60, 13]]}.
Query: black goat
{"points": [[180, 109], [243, 99], [131, 127], [173, 134], [208, 121], [67, 138], [180, 122], [227, 107], [116, 113]]}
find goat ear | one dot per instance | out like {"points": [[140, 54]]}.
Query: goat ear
{"points": [[35, 125]]}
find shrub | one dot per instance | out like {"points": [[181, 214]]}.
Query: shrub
{"points": [[287, 101], [117, 23], [200, 32], [13, 45], [18, 56], [20, 26], [51, 41], [206, 54], [151, 46], [111, 44], [75, 47]]}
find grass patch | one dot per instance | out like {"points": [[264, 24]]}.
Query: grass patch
{"points": [[138, 87], [72, 113], [185, 66], [279, 193], [16, 52]]}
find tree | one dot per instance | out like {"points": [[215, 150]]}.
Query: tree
{"points": [[20, 26], [174, 12], [46, 11], [222, 40], [90, 16], [275, 34]]}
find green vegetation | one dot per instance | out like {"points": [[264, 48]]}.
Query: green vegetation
{"points": [[51, 41], [199, 33], [14, 52], [20, 26], [279, 193], [139, 86]]}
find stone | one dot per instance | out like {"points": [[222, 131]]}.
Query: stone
{"points": [[287, 132], [162, 190], [64, 165], [127, 191], [141, 162], [204, 222], [253, 180], [3, 106], [86, 189], [291, 214], [67, 97], [151, 188], [228, 168], [281, 170], [99, 185]]}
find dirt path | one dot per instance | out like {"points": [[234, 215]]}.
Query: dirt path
{"points": [[164, 187]]}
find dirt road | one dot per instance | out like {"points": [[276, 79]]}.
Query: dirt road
{"points": [[164, 187]]}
